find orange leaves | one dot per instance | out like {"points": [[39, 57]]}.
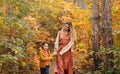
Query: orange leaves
{"points": [[32, 22], [74, 14], [43, 35], [116, 13], [50, 39], [33, 57], [65, 18], [116, 21], [34, 28]]}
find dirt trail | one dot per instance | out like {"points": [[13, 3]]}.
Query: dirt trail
{"points": [[52, 67]]}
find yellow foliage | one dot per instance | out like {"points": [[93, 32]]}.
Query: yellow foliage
{"points": [[16, 51], [62, 12], [116, 20], [33, 57], [23, 63]]}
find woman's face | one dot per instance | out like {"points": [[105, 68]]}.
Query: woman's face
{"points": [[45, 46], [67, 27]]}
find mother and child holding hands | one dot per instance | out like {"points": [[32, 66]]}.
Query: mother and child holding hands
{"points": [[63, 48]]}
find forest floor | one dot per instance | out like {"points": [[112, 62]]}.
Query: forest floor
{"points": [[52, 67]]}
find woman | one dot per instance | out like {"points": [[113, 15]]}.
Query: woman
{"points": [[63, 49]]}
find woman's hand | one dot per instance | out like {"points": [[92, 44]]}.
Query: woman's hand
{"points": [[55, 53]]}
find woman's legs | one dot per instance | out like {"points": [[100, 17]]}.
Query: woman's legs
{"points": [[59, 69], [65, 71], [68, 63]]}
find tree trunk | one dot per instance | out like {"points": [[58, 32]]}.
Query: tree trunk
{"points": [[95, 32], [107, 31], [80, 3], [65, 0]]}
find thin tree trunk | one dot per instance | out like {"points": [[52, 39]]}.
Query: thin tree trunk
{"points": [[65, 0], [107, 31], [80, 3], [95, 32]]}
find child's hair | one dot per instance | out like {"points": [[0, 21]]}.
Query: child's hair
{"points": [[44, 44]]}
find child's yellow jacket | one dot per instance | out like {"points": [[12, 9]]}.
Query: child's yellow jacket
{"points": [[43, 59]]}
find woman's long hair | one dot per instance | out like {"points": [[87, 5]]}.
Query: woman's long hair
{"points": [[72, 31]]}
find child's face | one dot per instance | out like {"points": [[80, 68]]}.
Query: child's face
{"points": [[45, 46]]}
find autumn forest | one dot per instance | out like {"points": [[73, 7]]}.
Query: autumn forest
{"points": [[26, 24]]}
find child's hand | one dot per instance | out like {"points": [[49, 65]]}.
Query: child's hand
{"points": [[51, 57]]}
